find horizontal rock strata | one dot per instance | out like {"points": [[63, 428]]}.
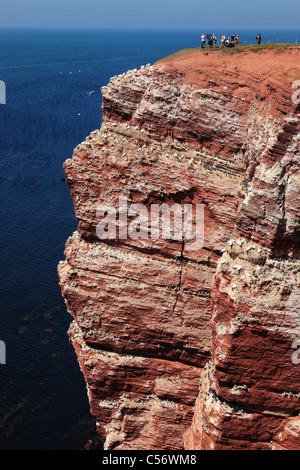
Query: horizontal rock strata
{"points": [[153, 319]]}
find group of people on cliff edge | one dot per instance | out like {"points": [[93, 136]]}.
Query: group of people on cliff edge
{"points": [[232, 41]]}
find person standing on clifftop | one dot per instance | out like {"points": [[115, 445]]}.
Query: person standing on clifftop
{"points": [[210, 40], [258, 38], [203, 40], [223, 40]]}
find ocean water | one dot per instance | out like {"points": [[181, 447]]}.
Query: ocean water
{"points": [[48, 111]]}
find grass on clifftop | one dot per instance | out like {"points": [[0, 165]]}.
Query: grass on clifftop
{"points": [[231, 50]]}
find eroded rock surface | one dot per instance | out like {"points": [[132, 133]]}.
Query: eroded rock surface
{"points": [[180, 348]]}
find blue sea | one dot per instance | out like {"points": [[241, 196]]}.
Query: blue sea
{"points": [[48, 111]]}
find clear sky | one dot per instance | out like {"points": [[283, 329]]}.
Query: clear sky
{"points": [[151, 14]]}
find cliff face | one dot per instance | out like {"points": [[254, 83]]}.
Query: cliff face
{"points": [[181, 348]]}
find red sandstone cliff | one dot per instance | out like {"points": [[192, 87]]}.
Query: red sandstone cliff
{"points": [[192, 349]]}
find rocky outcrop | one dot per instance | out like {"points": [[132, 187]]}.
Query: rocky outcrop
{"points": [[189, 348]]}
